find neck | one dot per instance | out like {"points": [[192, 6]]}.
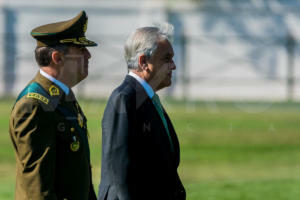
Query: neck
{"points": [[51, 71], [57, 75], [145, 77]]}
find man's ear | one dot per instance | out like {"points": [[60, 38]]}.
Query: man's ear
{"points": [[57, 57], [143, 62]]}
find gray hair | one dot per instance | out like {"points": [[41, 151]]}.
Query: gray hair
{"points": [[144, 41]]}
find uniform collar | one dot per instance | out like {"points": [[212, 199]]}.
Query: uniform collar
{"points": [[145, 85], [57, 82]]}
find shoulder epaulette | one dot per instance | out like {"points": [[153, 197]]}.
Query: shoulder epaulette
{"points": [[35, 91]]}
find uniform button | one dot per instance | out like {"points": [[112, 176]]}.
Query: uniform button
{"points": [[72, 129]]}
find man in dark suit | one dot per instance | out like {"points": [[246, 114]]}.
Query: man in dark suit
{"points": [[140, 149], [47, 126]]}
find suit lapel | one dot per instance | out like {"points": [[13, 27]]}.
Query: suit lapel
{"points": [[69, 102], [143, 101]]}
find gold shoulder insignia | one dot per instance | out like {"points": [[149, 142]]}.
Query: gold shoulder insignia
{"points": [[54, 91], [38, 96]]}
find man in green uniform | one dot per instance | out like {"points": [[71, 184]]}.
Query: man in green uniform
{"points": [[47, 126]]}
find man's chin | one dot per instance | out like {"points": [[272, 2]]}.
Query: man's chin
{"points": [[82, 77], [162, 86], [85, 73]]}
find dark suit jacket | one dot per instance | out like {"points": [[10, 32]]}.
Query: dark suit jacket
{"points": [[137, 160], [47, 167]]}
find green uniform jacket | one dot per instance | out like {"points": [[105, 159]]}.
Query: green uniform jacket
{"points": [[52, 154]]}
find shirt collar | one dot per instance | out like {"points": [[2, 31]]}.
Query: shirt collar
{"points": [[57, 82], [145, 85]]}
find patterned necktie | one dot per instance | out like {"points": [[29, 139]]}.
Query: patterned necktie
{"points": [[158, 106]]}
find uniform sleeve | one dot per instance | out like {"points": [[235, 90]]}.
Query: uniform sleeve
{"points": [[115, 145], [33, 135]]}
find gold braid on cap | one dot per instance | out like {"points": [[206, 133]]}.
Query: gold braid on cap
{"points": [[79, 41]]}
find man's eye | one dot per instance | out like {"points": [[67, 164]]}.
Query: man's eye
{"points": [[169, 59]]}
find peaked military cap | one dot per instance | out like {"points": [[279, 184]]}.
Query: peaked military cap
{"points": [[67, 32]]}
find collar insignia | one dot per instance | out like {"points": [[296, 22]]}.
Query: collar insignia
{"points": [[54, 91]]}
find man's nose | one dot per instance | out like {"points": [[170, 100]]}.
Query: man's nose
{"points": [[172, 65]]}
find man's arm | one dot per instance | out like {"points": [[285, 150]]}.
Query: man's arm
{"points": [[34, 140], [115, 145]]}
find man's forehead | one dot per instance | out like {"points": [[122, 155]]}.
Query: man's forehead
{"points": [[165, 47]]}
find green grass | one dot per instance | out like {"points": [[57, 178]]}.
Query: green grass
{"points": [[229, 150]]}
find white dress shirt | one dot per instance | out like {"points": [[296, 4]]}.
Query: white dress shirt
{"points": [[145, 85]]}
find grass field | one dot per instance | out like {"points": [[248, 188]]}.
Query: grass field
{"points": [[229, 151]]}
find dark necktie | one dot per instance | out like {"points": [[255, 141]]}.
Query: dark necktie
{"points": [[159, 108]]}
